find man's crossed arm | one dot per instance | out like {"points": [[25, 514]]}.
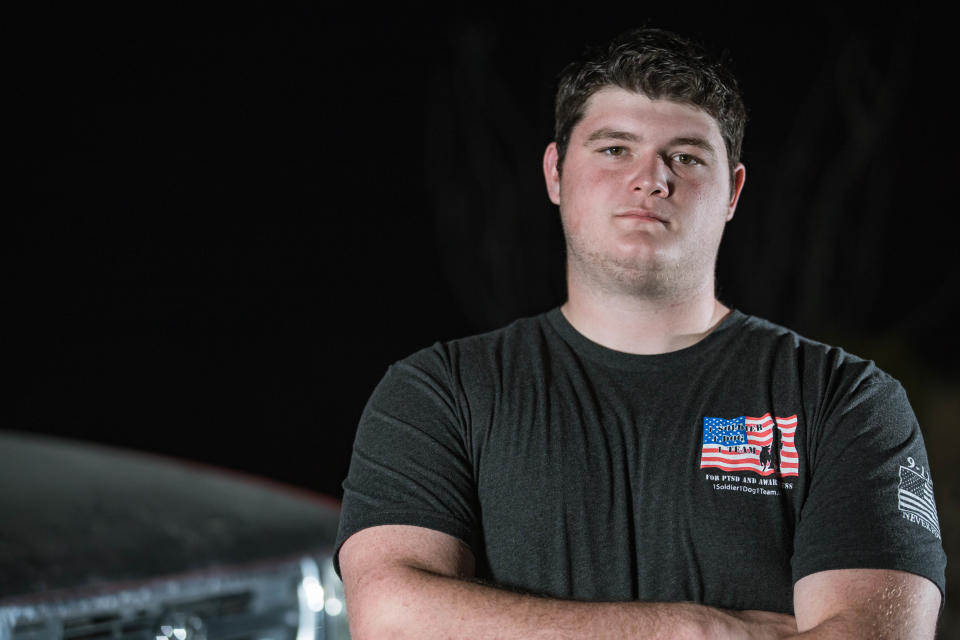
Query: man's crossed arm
{"points": [[411, 582]]}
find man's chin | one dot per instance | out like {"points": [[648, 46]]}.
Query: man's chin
{"points": [[641, 277], [646, 280]]}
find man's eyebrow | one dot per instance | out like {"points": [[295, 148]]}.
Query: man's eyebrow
{"points": [[693, 141], [606, 133]]}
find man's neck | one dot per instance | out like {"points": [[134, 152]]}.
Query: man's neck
{"points": [[641, 325]]}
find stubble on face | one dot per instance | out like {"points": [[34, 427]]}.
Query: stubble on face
{"points": [[646, 276], [676, 260]]}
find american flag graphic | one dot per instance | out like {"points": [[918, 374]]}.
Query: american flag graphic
{"points": [[915, 497], [747, 444]]}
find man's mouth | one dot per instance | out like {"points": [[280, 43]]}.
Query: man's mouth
{"points": [[642, 214]]}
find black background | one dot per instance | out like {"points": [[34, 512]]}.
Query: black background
{"points": [[226, 223]]}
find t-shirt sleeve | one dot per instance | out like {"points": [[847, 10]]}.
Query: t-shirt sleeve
{"points": [[870, 501], [410, 462]]}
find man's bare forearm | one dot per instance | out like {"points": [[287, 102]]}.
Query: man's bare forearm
{"points": [[407, 602]]}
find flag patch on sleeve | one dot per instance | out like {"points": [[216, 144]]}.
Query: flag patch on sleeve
{"points": [[915, 499]]}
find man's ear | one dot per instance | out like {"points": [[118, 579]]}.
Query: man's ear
{"points": [[551, 172], [739, 177]]}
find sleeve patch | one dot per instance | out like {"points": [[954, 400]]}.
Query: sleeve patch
{"points": [[915, 498]]}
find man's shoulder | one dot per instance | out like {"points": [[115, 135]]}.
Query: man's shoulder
{"points": [[476, 363], [811, 356], [511, 339]]}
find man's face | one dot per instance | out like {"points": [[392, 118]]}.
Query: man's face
{"points": [[644, 193]]}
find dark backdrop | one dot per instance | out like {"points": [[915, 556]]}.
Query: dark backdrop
{"points": [[224, 225]]}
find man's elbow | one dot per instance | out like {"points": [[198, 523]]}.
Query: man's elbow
{"points": [[399, 579], [381, 606], [866, 603]]}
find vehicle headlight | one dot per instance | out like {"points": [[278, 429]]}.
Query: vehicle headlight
{"points": [[177, 625]]}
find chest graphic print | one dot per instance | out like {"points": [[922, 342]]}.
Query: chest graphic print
{"points": [[763, 445]]}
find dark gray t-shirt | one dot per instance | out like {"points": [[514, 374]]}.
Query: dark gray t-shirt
{"points": [[721, 473]]}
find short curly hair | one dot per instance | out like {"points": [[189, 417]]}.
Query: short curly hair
{"points": [[660, 65]]}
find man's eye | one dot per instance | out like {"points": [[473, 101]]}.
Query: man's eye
{"points": [[686, 158], [614, 151]]}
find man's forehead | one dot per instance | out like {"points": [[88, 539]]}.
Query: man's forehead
{"points": [[612, 104]]}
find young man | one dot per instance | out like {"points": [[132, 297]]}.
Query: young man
{"points": [[643, 461]]}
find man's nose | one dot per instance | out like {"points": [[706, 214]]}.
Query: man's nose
{"points": [[651, 176]]}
